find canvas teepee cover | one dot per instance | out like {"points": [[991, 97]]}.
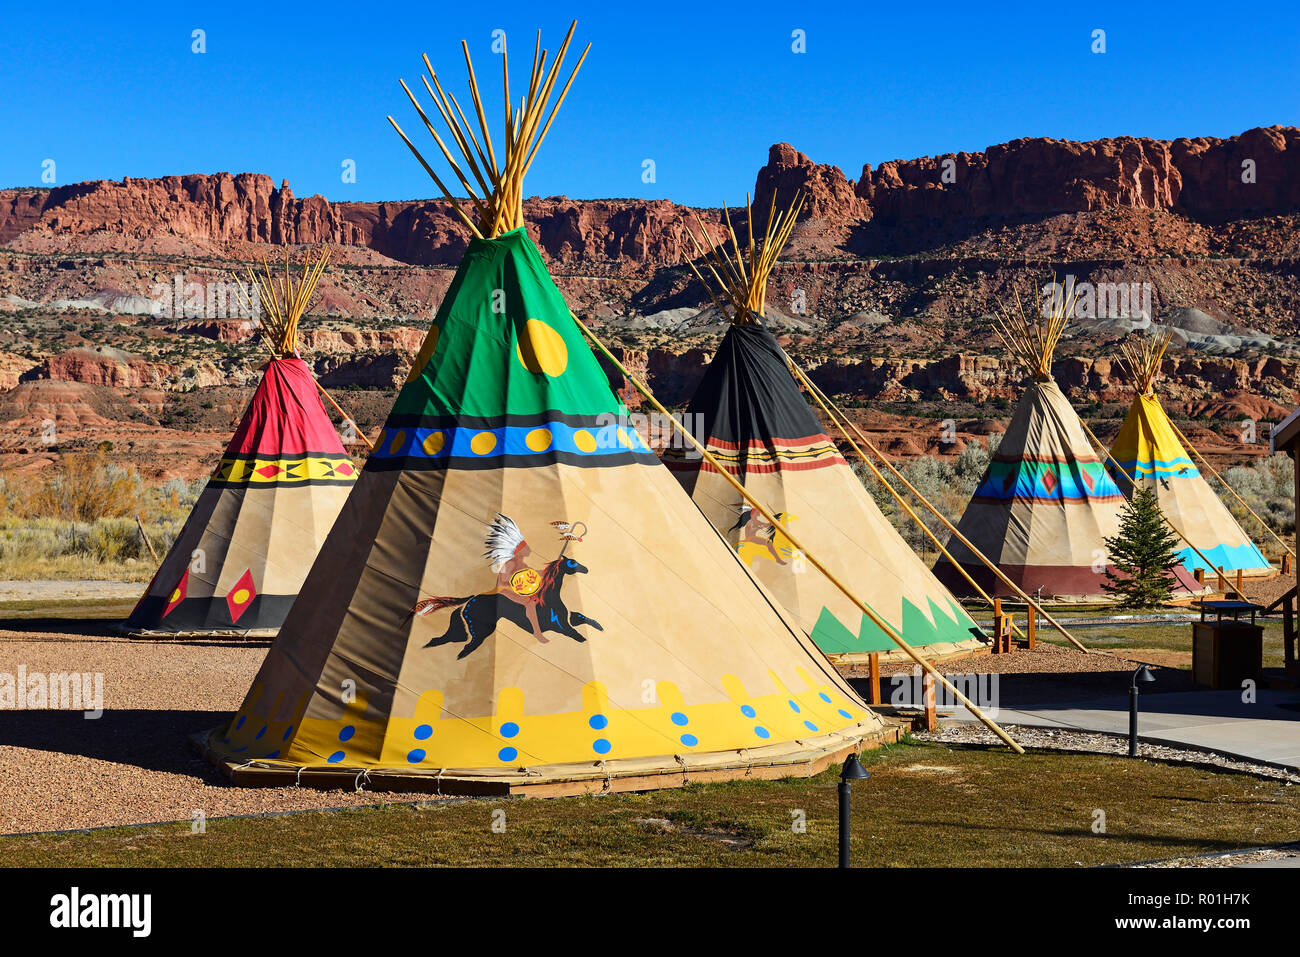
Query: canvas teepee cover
{"points": [[1150, 453], [1045, 504], [245, 549], [750, 415], [518, 593]]}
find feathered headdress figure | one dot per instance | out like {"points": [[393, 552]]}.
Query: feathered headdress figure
{"points": [[504, 539]]}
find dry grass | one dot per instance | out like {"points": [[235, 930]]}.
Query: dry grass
{"points": [[925, 805], [79, 521]]}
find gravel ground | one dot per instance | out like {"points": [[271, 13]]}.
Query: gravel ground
{"points": [[1268, 590], [134, 764]]}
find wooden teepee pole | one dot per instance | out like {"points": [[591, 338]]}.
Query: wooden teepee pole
{"points": [[1133, 484], [916, 493], [898, 498], [1232, 491], [812, 559]]}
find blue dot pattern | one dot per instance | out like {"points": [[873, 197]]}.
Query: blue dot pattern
{"points": [[422, 732], [336, 757], [507, 754], [601, 746], [679, 718], [509, 729], [416, 756], [598, 721], [690, 740], [747, 711], [346, 733]]}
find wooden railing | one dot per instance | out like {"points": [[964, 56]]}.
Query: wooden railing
{"points": [[1290, 655]]}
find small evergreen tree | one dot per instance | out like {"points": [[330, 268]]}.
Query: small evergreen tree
{"points": [[1143, 554]]}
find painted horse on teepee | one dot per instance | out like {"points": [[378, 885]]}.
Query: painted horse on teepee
{"points": [[528, 598]]}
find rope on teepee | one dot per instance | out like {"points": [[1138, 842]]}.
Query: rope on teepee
{"points": [[812, 559], [1143, 357], [821, 399]]}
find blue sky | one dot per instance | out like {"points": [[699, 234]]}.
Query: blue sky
{"points": [[701, 88]]}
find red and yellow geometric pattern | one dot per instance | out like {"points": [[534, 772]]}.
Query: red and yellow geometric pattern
{"points": [[285, 470], [241, 595]]}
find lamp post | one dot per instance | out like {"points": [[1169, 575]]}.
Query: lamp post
{"points": [[853, 771], [1143, 675]]}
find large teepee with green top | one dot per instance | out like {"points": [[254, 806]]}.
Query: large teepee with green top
{"points": [[519, 595]]}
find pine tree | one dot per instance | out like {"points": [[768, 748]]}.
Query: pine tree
{"points": [[1143, 554]]}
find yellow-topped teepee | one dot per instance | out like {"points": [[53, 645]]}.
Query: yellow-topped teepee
{"points": [[1149, 452]]}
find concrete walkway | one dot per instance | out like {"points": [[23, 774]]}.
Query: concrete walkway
{"points": [[1266, 731]]}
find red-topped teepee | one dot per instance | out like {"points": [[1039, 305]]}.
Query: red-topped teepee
{"points": [[239, 561]]}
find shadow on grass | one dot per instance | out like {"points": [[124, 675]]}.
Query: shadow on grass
{"points": [[1204, 845]]}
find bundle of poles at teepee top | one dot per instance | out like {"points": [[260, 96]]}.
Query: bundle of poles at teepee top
{"points": [[495, 189], [281, 303], [283, 300], [745, 287], [1143, 356], [1032, 342]]}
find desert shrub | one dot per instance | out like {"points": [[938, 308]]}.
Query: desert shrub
{"points": [[85, 487], [115, 539], [1268, 487]]}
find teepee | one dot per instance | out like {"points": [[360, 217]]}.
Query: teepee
{"points": [[518, 596], [756, 424], [244, 551], [1149, 452], [1046, 503]]}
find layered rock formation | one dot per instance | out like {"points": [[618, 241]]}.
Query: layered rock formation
{"points": [[1256, 172]]}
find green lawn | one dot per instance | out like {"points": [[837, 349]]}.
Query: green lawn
{"points": [[925, 804]]}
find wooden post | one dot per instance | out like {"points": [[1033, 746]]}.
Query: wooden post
{"points": [[1199, 575], [147, 544], [873, 676], [1288, 634], [998, 627], [1286, 563], [927, 696], [1031, 629], [1238, 582]]}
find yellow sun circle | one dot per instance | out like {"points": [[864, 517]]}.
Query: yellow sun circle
{"points": [[541, 349], [240, 596], [584, 440], [433, 444], [176, 596], [424, 355], [539, 440], [396, 443], [483, 443]]}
